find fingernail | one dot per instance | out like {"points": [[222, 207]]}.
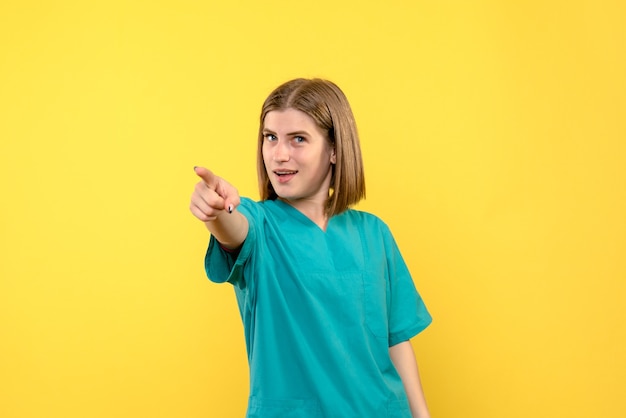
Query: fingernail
{"points": [[230, 208], [194, 167]]}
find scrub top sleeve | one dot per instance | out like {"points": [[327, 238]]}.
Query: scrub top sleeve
{"points": [[225, 266], [407, 312]]}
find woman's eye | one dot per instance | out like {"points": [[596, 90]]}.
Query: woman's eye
{"points": [[270, 137], [298, 139]]}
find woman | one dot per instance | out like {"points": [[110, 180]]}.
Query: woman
{"points": [[327, 302]]}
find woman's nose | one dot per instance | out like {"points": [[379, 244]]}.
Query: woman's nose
{"points": [[281, 151]]}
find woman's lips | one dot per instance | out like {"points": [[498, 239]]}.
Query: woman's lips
{"points": [[284, 176]]}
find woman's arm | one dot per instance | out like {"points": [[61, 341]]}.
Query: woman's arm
{"points": [[214, 202], [403, 358]]}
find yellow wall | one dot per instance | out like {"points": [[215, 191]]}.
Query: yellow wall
{"points": [[494, 139]]}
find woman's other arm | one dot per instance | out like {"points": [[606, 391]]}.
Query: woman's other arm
{"points": [[403, 358]]}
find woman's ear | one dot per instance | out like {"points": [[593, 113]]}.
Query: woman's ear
{"points": [[333, 157]]}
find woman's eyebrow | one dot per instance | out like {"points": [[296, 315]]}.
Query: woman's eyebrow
{"points": [[297, 133], [269, 131]]}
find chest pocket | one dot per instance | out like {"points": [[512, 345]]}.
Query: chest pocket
{"points": [[282, 408], [375, 287], [375, 301]]}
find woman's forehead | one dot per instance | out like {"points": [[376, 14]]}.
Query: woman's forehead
{"points": [[287, 120]]}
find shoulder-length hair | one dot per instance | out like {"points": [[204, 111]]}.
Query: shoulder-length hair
{"points": [[323, 101]]}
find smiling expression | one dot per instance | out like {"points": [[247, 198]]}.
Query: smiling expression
{"points": [[298, 157]]}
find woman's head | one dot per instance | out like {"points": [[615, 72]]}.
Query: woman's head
{"points": [[326, 104]]}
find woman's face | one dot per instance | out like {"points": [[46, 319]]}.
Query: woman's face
{"points": [[298, 157]]}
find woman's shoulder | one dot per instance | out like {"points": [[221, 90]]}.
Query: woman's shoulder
{"points": [[366, 219], [261, 209], [255, 205]]}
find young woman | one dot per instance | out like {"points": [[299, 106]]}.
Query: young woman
{"points": [[327, 302]]}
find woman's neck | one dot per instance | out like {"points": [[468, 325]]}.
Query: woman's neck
{"points": [[312, 209]]}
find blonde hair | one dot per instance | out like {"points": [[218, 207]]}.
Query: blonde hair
{"points": [[323, 101]]}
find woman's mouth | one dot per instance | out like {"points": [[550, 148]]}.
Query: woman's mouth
{"points": [[285, 175]]}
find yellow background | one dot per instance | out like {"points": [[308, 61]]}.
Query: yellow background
{"points": [[494, 140]]}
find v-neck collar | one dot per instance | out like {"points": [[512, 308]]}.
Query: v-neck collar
{"points": [[301, 217]]}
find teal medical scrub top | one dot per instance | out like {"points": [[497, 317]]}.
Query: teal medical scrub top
{"points": [[320, 310]]}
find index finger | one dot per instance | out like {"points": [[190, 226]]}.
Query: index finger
{"points": [[210, 179]]}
